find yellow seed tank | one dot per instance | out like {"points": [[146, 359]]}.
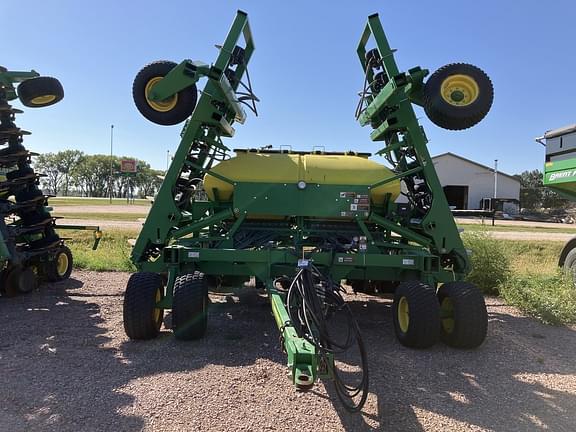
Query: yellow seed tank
{"points": [[275, 167]]}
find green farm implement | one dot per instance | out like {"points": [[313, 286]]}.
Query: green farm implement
{"points": [[30, 248], [300, 223], [560, 176]]}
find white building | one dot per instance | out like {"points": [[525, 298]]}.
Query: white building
{"points": [[466, 183]]}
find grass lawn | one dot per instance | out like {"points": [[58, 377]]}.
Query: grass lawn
{"points": [[130, 217], [488, 227], [113, 253], [79, 201], [527, 257]]}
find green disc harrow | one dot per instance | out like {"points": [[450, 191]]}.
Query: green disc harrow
{"points": [[302, 224]]}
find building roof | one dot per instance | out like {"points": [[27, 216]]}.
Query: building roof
{"points": [[475, 163]]}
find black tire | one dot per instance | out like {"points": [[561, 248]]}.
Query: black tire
{"points": [[61, 267], [464, 315], [190, 306], [457, 96], [171, 111], [569, 265], [20, 280], [422, 327], [142, 319], [40, 92]]}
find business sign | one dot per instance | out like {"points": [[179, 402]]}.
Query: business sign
{"points": [[560, 177], [128, 165]]}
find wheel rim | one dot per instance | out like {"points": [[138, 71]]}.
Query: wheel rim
{"points": [[403, 314], [163, 105], [41, 100], [447, 314], [157, 311], [62, 264], [459, 90]]}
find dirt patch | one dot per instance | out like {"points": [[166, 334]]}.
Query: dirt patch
{"points": [[67, 366]]}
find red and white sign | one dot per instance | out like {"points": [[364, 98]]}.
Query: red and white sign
{"points": [[128, 165]]}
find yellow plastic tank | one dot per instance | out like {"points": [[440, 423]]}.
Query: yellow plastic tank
{"points": [[292, 168]]}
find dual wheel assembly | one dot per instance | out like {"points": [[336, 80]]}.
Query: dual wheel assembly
{"points": [[143, 317], [456, 314]]}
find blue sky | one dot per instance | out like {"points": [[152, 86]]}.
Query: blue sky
{"points": [[304, 70]]}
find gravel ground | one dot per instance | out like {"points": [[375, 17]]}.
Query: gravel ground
{"points": [[67, 366]]}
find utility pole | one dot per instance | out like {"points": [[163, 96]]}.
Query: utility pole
{"points": [[495, 178], [111, 161], [167, 159]]}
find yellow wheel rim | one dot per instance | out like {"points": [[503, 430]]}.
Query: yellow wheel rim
{"points": [[447, 314], [62, 264], [163, 105], [459, 90], [403, 314], [157, 311], [41, 100]]}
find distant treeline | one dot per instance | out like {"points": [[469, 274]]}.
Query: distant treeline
{"points": [[74, 173], [533, 194]]}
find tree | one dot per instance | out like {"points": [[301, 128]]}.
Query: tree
{"points": [[92, 175], [533, 193], [66, 161], [531, 189], [47, 164], [147, 180]]}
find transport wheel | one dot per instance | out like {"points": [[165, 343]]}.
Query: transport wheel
{"points": [[142, 319], [457, 96], [170, 111], [190, 306], [40, 92], [416, 315], [61, 267], [20, 280], [569, 265], [463, 314]]}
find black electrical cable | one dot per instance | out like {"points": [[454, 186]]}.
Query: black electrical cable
{"points": [[312, 300]]}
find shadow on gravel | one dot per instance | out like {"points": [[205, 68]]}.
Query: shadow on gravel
{"points": [[56, 374], [240, 332], [65, 365], [516, 381]]}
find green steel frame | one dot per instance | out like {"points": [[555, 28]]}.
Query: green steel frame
{"points": [[184, 232]]}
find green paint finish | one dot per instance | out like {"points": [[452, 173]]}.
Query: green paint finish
{"points": [[313, 200]]}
